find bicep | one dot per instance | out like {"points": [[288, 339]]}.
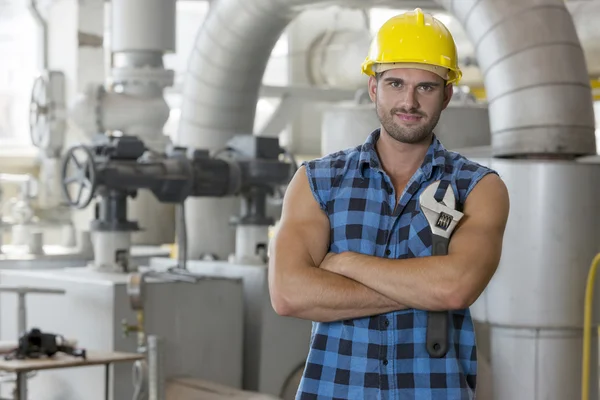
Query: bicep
{"points": [[478, 238], [303, 232]]}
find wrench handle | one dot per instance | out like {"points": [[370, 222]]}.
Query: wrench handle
{"points": [[437, 321], [440, 245], [437, 333]]}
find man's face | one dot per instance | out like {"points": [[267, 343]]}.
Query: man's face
{"points": [[409, 102]]}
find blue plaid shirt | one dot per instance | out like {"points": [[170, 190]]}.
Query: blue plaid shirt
{"points": [[384, 356]]}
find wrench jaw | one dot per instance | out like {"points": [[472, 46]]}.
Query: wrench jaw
{"points": [[441, 216], [428, 197], [442, 220]]}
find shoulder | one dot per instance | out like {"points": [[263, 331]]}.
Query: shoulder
{"points": [[325, 172], [465, 166], [334, 162], [332, 165], [468, 173]]}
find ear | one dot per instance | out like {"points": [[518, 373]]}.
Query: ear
{"points": [[448, 91], [373, 88]]}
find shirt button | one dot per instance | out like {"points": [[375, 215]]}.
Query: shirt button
{"points": [[385, 362], [388, 252], [386, 322]]}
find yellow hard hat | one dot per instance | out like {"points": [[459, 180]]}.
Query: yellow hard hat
{"points": [[417, 40]]}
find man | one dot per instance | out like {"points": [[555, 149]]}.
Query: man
{"points": [[353, 250]]}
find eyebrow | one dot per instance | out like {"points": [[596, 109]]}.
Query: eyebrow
{"points": [[399, 80]]}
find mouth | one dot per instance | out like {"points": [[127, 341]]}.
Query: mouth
{"points": [[409, 117]]}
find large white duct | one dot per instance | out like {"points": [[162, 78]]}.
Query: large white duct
{"points": [[533, 65]]}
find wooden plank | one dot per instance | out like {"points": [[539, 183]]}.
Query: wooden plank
{"points": [[65, 361]]}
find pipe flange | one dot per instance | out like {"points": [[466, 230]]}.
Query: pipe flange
{"points": [[144, 76]]}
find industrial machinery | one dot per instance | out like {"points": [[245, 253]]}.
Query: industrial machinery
{"points": [[117, 167], [37, 213], [43, 234], [29, 231], [130, 99], [212, 325], [37, 240], [47, 131]]}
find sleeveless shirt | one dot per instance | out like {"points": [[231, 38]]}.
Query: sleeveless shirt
{"points": [[384, 356]]}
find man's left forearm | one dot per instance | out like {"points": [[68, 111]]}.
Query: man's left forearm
{"points": [[425, 283]]}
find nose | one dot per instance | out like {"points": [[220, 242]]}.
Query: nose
{"points": [[409, 100]]}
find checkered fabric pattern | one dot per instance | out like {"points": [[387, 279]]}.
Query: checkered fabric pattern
{"points": [[384, 356]]}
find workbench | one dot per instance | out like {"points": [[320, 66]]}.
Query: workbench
{"points": [[60, 360]]}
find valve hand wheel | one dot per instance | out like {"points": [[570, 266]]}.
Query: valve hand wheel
{"points": [[39, 112], [79, 176]]}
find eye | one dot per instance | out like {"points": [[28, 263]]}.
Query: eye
{"points": [[426, 88], [395, 84]]}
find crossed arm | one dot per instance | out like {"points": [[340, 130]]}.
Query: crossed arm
{"points": [[307, 282]]}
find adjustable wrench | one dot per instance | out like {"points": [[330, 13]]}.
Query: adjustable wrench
{"points": [[439, 206]]}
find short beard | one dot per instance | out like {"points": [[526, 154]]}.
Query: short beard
{"points": [[408, 135]]}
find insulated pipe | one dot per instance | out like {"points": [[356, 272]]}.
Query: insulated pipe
{"points": [[528, 50], [143, 25], [142, 31], [535, 76]]}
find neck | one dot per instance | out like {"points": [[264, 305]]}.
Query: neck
{"points": [[398, 159]]}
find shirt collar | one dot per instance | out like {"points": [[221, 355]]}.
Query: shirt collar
{"points": [[435, 156]]}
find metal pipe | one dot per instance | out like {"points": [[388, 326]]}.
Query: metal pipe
{"points": [[143, 25], [35, 12], [156, 362], [22, 314], [21, 386]]}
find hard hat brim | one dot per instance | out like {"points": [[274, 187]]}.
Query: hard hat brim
{"points": [[450, 75]]}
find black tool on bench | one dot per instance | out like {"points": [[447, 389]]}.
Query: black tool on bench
{"points": [[37, 344]]}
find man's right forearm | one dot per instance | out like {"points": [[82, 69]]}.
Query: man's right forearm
{"points": [[319, 295]]}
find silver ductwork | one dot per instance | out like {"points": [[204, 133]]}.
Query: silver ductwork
{"points": [[535, 78], [534, 73]]}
